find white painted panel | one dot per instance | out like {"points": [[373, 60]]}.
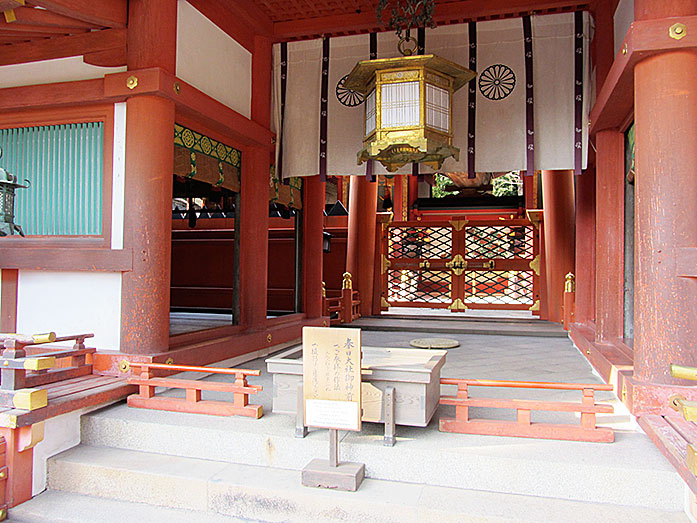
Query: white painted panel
{"points": [[118, 176], [60, 433], [52, 71], [71, 303], [211, 61], [624, 16]]}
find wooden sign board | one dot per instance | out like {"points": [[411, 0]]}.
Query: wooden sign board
{"points": [[332, 378]]}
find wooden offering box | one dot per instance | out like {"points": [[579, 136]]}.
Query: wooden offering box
{"points": [[410, 376]]}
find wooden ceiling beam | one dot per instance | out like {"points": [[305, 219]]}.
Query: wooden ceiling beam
{"points": [[26, 35], [6, 5], [106, 13], [16, 27], [31, 16], [110, 58], [63, 46], [454, 12]]}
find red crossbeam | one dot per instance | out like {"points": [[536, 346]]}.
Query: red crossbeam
{"points": [[523, 426], [192, 402]]}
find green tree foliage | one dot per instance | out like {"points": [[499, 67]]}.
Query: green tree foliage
{"points": [[439, 190], [508, 185]]}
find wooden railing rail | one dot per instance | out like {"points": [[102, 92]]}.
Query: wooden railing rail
{"points": [[21, 373], [523, 426], [344, 309], [4, 473], [192, 402]]}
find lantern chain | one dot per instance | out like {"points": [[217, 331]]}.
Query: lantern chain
{"points": [[407, 14]]}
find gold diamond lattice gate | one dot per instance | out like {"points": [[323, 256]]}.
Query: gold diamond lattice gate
{"points": [[460, 264]]}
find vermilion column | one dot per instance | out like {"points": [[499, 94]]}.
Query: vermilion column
{"points": [[665, 111], [585, 247], [360, 248], [558, 204], [254, 232], [147, 224], [152, 36], [313, 227], [609, 231], [413, 195], [253, 222]]}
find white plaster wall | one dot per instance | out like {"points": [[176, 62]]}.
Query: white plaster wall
{"points": [[118, 176], [52, 71], [71, 303], [211, 61], [624, 16]]}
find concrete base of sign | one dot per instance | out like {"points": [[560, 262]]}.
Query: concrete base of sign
{"points": [[346, 476]]}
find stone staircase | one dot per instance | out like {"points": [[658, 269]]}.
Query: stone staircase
{"points": [[136, 465]]}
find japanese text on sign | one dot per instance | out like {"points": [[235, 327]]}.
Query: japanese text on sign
{"points": [[332, 377]]}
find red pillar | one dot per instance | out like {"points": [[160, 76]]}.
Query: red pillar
{"points": [[313, 227], [558, 203], [585, 247], [253, 228], [413, 194], [253, 223], [609, 276], [152, 34], [147, 224], [360, 248], [148, 185], [666, 204]]}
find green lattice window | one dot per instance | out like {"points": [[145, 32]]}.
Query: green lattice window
{"points": [[64, 165]]}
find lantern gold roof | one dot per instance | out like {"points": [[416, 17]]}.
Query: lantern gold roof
{"points": [[359, 79]]}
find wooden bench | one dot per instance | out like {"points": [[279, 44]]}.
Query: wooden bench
{"points": [[523, 426], [192, 402]]}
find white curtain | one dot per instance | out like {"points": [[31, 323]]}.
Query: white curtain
{"points": [[500, 126]]}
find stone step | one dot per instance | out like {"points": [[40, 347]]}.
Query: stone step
{"points": [[630, 471], [55, 506], [461, 326], [204, 490]]}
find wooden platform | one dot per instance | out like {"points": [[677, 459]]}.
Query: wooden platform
{"points": [[673, 436], [70, 395]]}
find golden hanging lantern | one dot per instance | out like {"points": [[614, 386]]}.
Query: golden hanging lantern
{"points": [[408, 108]]}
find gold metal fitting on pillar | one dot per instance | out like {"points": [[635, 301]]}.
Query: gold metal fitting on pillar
{"points": [[688, 409], [324, 290], [677, 31], [132, 82], [682, 372], [570, 283], [347, 284]]}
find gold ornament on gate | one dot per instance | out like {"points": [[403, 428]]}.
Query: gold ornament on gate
{"points": [[347, 283]]}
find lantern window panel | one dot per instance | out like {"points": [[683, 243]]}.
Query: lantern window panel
{"points": [[400, 105], [437, 108], [370, 113]]}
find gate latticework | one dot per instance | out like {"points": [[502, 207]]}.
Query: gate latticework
{"points": [[459, 264]]}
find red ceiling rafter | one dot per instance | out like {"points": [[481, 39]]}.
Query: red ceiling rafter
{"points": [[62, 46], [106, 13], [31, 16], [16, 27], [293, 19]]}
